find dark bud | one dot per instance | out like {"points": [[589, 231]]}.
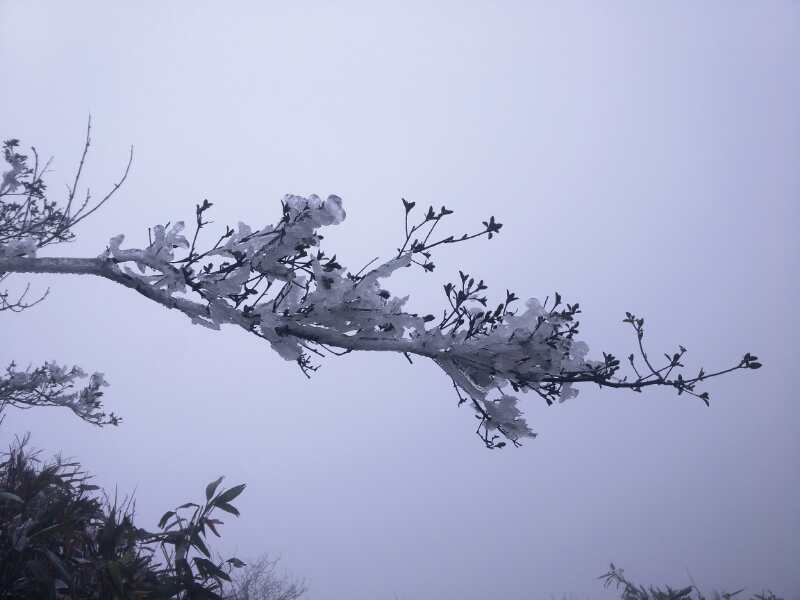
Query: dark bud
{"points": [[492, 226]]}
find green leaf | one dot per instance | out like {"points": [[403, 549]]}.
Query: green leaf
{"points": [[230, 494], [212, 487], [212, 523], [209, 567], [167, 516], [229, 508], [198, 543]]}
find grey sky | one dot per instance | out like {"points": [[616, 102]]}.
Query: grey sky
{"points": [[642, 156]]}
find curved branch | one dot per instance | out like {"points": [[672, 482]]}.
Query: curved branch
{"points": [[318, 305]]}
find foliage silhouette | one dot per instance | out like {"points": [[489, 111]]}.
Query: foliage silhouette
{"points": [[59, 538]]}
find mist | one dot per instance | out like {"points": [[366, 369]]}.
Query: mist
{"points": [[642, 157]]}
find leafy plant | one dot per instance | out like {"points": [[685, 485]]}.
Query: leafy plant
{"points": [[60, 539]]}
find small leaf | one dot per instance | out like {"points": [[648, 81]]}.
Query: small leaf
{"points": [[229, 508], [167, 516], [198, 543], [212, 523], [212, 487], [210, 568], [230, 494]]}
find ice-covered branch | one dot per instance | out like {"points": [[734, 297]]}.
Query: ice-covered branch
{"points": [[276, 283], [30, 221], [55, 385]]}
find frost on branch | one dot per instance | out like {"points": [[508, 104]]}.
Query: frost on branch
{"points": [[278, 284], [30, 221], [55, 385]]}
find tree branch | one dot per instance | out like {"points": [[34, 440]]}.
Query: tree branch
{"points": [[276, 283]]}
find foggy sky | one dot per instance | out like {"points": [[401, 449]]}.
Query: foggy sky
{"points": [[642, 156]]}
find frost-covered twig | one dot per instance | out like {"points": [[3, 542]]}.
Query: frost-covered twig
{"points": [[55, 385], [30, 221]]}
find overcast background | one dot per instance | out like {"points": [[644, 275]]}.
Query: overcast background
{"points": [[642, 156]]}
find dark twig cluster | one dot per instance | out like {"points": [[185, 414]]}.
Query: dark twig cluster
{"points": [[417, 240], [20, 302], [28, 216], [467, 318]]}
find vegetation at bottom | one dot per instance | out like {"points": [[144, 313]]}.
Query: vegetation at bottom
{"points": [[631, 591], [63, 538]]}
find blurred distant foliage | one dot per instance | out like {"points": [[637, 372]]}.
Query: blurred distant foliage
{"points": [[260, 580], [630, 591]]}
